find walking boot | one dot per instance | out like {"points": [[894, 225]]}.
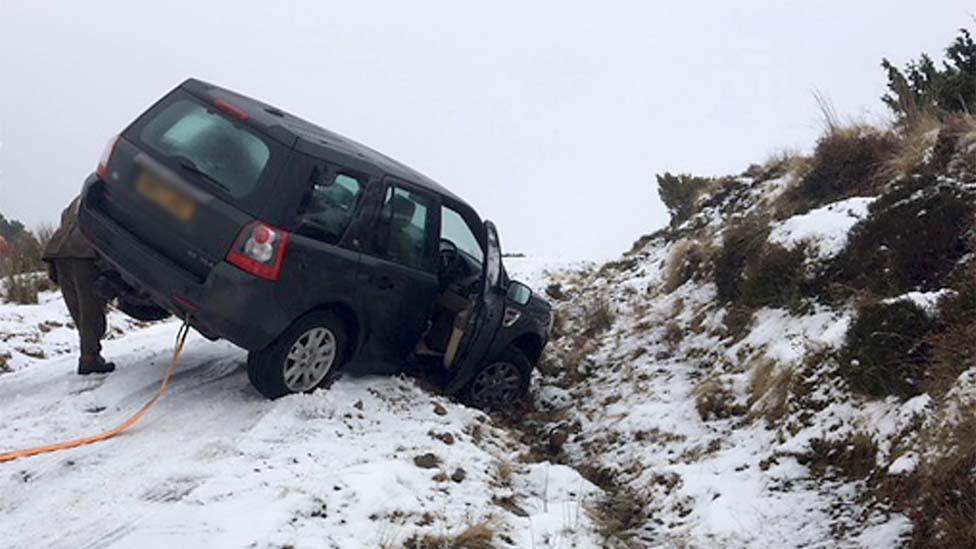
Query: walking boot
{"points": [[94, 365]]}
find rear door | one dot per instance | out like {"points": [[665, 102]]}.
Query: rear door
{"points": [[187, 176], [325, 263], [486, 318], [398, 278]]}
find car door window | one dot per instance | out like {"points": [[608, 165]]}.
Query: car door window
{"points": [[404, 231], [329, 205], [455, 229]]}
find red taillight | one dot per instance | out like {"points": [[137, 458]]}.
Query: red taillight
{"points": [[232, 110], [260, 250], [102, 169]]}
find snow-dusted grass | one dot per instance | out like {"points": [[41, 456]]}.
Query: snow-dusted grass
{"points": [[721, 480]]}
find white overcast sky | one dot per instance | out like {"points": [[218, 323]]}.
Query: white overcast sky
{"points": [[550, 118]]}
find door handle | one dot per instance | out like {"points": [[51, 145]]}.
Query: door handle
{"points": [[383, 282]]}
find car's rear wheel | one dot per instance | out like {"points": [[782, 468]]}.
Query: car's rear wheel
{"points": [[308, 355], [501, 382]]}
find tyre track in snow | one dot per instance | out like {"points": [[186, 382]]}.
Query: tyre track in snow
{"points": [[108, 488]]}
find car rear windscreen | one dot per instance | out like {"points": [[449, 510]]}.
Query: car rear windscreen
{"points": [[228, 154]]}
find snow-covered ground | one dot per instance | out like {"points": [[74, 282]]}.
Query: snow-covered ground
{"points": [[216, 465]]}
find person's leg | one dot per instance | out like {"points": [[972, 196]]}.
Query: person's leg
{"points": [[77, 277], [68, 291], [91, 307]]}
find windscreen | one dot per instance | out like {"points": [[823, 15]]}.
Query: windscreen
{"points": [[226, 154]]}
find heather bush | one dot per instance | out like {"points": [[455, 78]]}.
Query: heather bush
{"points": [[885, 352], [848, 161], [911, 240]]}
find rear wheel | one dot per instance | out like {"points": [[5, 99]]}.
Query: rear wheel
{"points": [[501, 382], [308, 355]]}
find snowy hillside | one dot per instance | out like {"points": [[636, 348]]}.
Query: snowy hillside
{"points": [[372, 462], [790, 364]]}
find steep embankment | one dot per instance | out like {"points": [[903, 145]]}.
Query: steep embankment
{"points": [[791, 362]]}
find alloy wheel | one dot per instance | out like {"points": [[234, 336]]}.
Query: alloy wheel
{"points": [[496, 385], [309, 360]]}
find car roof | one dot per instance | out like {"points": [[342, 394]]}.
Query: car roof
{"points": [[287, 128]]}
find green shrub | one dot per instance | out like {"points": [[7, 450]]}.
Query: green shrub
{"points": [[679, 193], [923, 86], [912, 240], [885, 351], [10, 228], [952, 350], [737, 322], [20, 285], [853, 458], [740, 242], [775, 278]]}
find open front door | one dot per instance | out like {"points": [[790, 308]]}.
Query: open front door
{"points": [[485, 317]]}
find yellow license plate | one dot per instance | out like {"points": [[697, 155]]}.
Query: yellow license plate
{"points": [[166, 197]]}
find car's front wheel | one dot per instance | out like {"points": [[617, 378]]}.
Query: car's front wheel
{"points": [[308, 355], [501, 382]]}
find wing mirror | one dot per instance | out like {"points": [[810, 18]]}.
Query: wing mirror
{"points": [[519, 293]]}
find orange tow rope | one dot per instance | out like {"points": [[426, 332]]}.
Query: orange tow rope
{"points": [[130, 423]]}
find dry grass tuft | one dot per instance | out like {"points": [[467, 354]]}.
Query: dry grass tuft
{"points": [[769, 388], [598, 316], [954, 152], [915, 143], [848, 161], [780, 164], [673, 334], [616, 519], [503, 473], [714, 400], [475, 536], [686, 262]]}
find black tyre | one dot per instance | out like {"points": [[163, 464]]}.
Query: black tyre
{"points": [[501, 382], [308, 355]]}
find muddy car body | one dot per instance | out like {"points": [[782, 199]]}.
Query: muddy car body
{"points": [[313, 252]]}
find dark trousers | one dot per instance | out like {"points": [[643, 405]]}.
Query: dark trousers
{"points": [[77, 280]]}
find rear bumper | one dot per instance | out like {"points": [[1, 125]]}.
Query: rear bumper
{"points": [[228, 304]]}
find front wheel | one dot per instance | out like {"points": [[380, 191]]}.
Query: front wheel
{"points": [[501, 382], [308, 355]]}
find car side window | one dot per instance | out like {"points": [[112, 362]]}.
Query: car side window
{"points": [[329, 205], [403, 233], [456, 229]]}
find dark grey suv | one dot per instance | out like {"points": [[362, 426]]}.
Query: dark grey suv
{"points": [[313, 252]]}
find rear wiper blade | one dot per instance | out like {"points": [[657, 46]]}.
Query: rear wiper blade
{"points": [[195, 170]]}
